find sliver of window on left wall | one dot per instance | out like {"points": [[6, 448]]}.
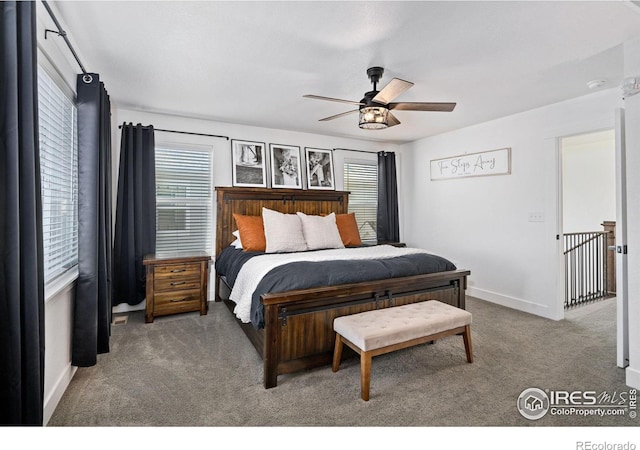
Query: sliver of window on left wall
{"points": [[184, 199], [58, 141]]}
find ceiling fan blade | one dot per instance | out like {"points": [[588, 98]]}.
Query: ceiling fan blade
{"points": [[338, 115], [394, 88], [318, 97], [409, 106], [392, 120]]}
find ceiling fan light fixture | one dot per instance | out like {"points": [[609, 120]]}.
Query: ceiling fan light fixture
{"points": [[375, 107], [374, 118]]}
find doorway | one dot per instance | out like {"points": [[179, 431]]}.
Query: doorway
{"points": [[588, 205], [592, 189]]}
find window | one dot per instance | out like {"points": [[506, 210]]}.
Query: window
{"points": [[57, 115], [361, 180], [184, 200]]}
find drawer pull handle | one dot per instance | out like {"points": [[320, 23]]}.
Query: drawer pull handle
{"points": [[177, 283], [176, 300], [177, 270]]}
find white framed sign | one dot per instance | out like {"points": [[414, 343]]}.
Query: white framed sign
{"points": [[492, 162]]}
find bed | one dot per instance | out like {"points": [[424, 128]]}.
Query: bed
{"points": [[296, 330]]}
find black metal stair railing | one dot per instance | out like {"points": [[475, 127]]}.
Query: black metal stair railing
{"points": [[585, 257]]}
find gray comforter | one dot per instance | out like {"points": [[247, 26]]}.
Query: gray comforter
{"points": [[301, 275]]}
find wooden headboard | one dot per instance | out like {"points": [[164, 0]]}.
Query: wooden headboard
{"points": [[250, 201]]}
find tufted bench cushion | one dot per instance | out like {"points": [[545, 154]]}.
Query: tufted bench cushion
{"points": [[380, 331], [382, 327]]}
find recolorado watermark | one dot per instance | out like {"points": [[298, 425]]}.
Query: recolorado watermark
{"points": [[588, 445], [534, 403]]}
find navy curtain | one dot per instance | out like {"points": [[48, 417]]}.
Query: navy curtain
{"points": [[21, 254], [92, 308], [387, 220], [135, 229]]}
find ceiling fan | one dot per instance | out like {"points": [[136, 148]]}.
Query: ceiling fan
{"points": [[375, 108]]}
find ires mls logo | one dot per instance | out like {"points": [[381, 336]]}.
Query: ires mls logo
{"points": [[534, 403]]}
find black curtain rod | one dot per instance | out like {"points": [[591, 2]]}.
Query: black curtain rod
{"points": [[351, 150], [86, 78], [188, 132]]}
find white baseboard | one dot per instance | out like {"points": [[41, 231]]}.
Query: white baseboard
{"points": [[511, 302], [632, 377], [52, 400], [125, 307]]}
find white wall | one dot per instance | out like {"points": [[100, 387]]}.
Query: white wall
{"points": [[222, 147], [588, 181], [481, 223], [58, 322]]}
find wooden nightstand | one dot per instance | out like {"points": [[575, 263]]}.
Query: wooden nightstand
{"points": [[176, 283]]}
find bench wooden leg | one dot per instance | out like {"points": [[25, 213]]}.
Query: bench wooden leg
{"points": [[467, 343], [337, 353], [365, 375]]}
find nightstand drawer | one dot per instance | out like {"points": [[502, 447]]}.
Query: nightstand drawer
{"points": [[176, 271], [177, 301], [173, 284]]}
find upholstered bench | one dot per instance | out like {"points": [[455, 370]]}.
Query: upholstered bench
{"points": [[380, 331]]}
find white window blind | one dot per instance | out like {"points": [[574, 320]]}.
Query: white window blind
{"points": [[57, 116], [184, 200], [361, 180]]}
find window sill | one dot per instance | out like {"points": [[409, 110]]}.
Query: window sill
{"points": [[63, 282]]}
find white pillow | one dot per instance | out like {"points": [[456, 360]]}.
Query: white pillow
{"points": [[320, 231], [283, 232], [237, 243]]}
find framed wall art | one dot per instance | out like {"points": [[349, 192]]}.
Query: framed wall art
{"points": [[319, 164], [286, 168], [492, 162], [249, 161]]}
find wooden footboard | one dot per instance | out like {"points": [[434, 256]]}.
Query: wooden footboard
{"points": [[298, 332]]}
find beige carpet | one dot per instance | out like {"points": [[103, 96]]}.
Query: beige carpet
{"points": [[201, 371]]}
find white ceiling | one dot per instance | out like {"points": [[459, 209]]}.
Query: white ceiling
{"points": [[251, 62]]}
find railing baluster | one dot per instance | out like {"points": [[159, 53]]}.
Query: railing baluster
{"points": [[586, 274], [592, 268]]}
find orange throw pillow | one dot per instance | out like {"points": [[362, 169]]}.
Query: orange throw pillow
{"points": [[348, 229], [251, 233]]}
